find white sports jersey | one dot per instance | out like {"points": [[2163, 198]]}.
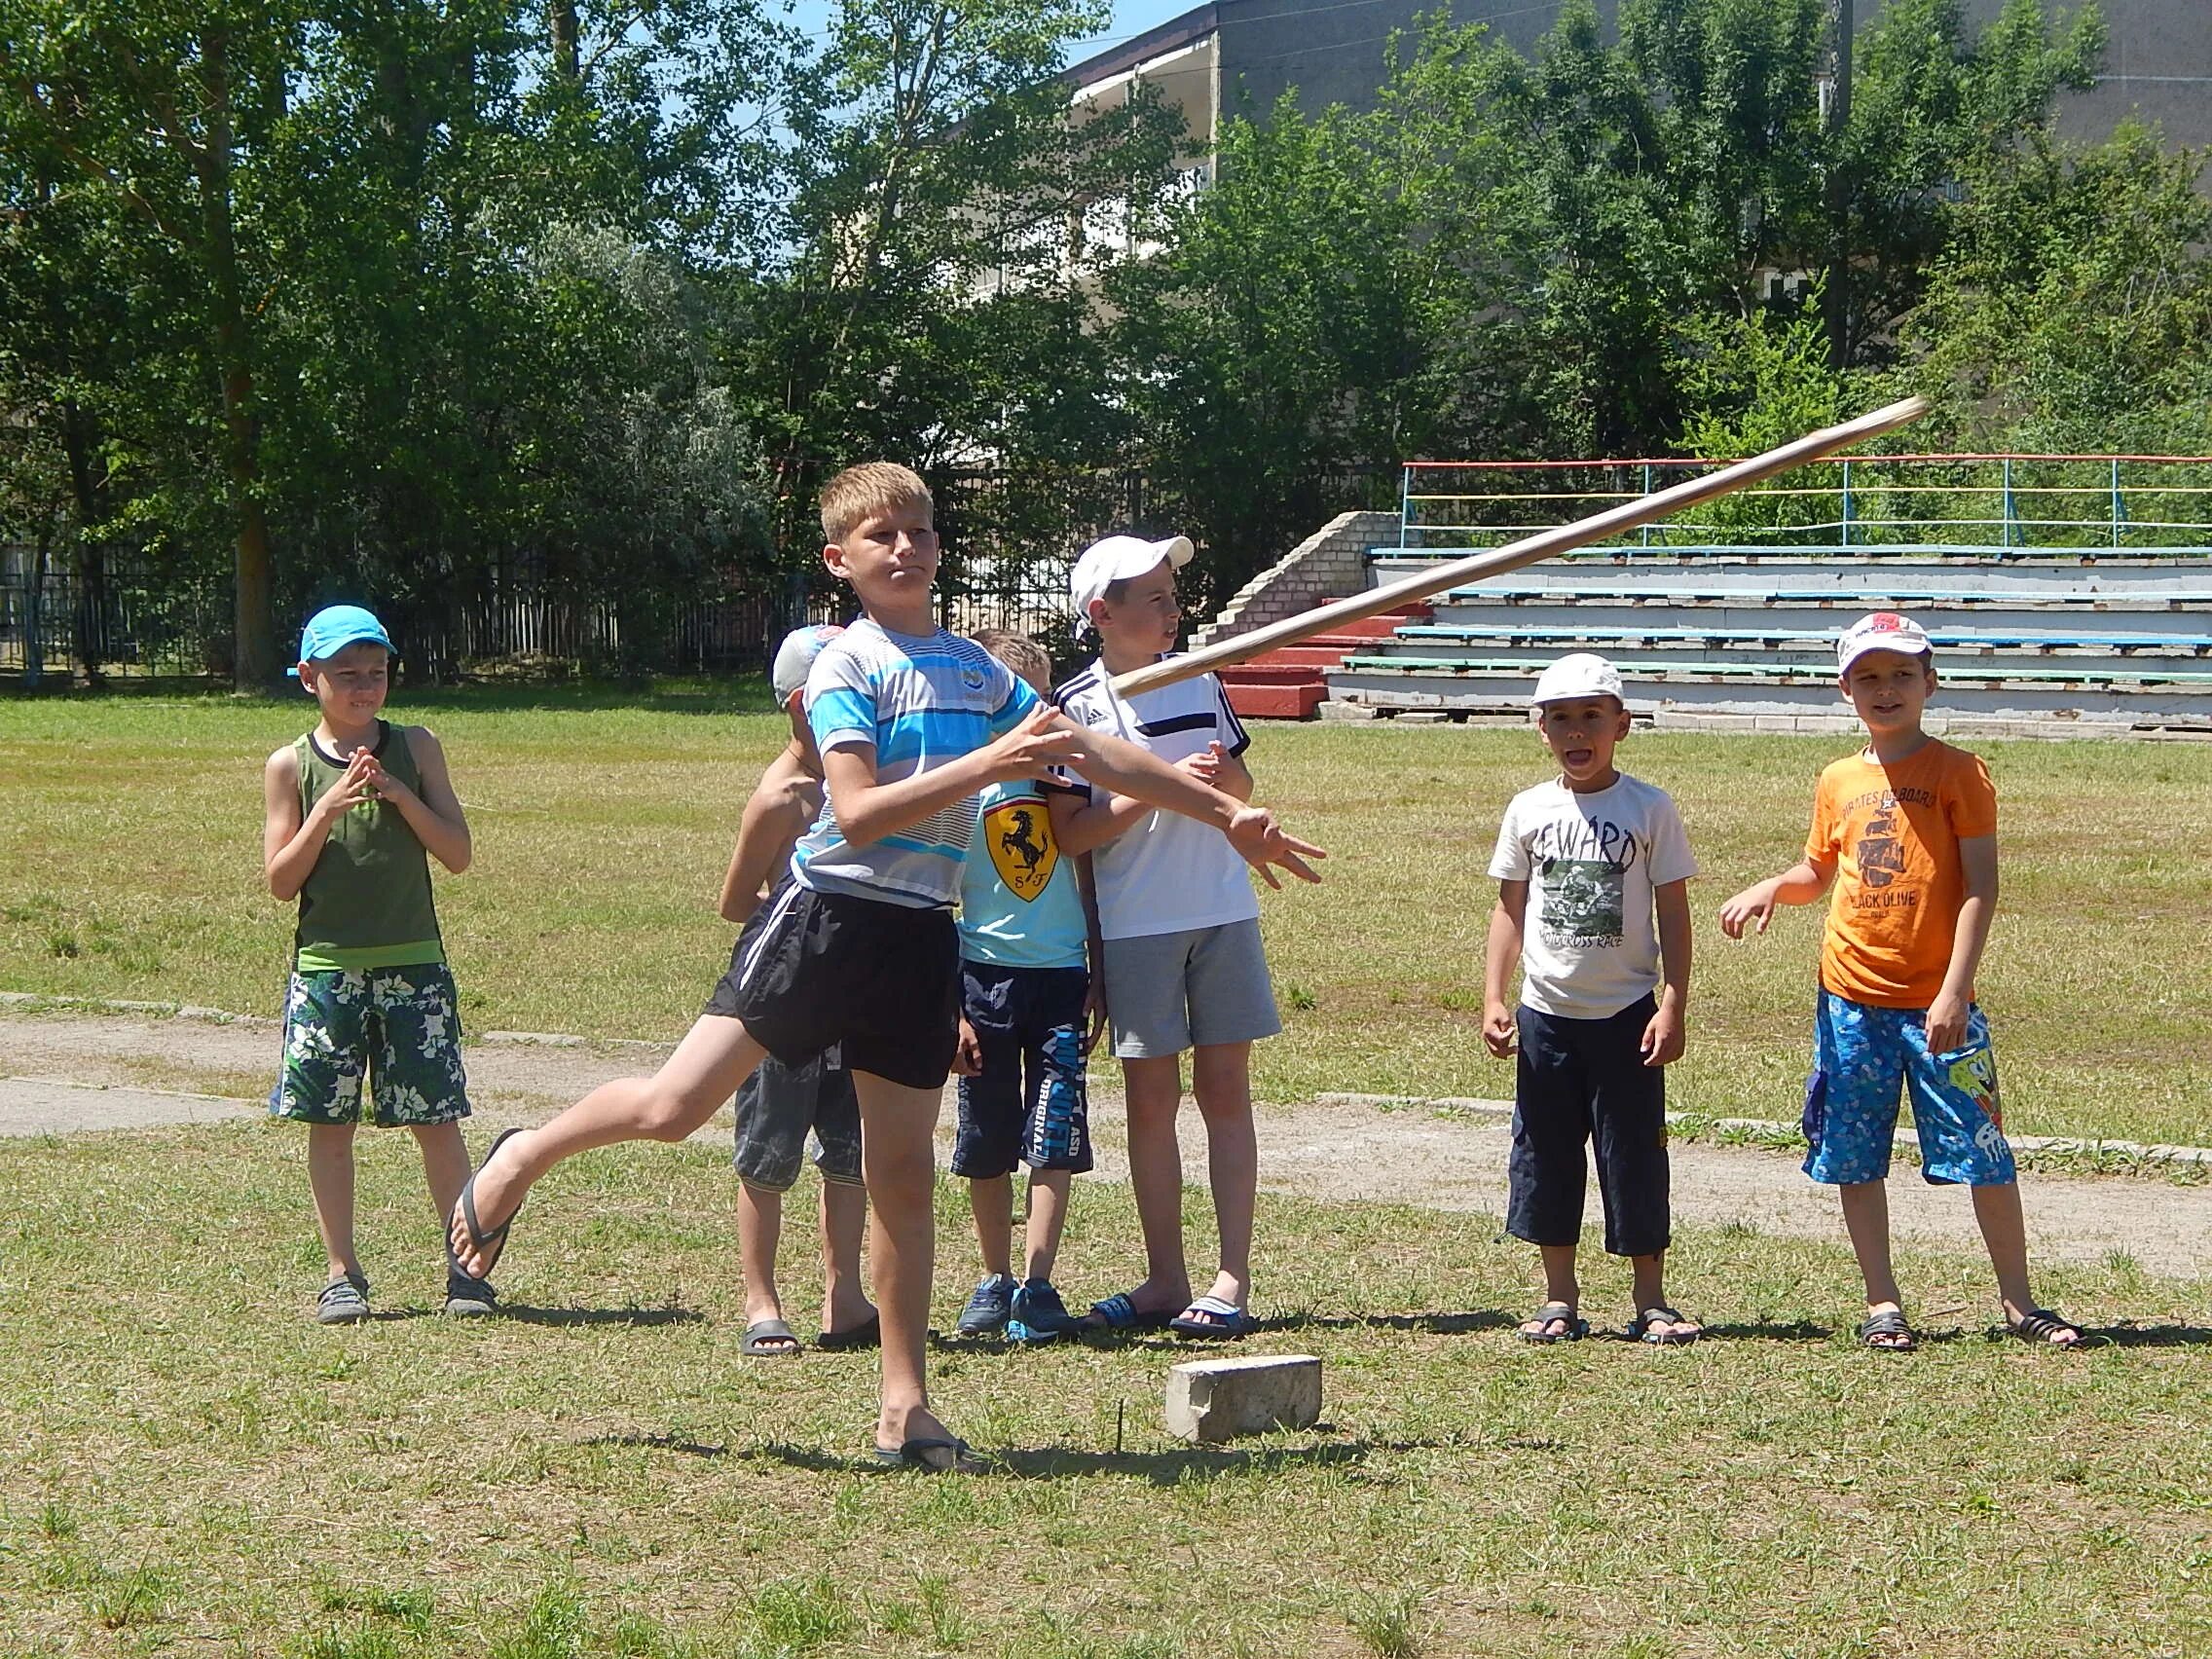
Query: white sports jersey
{"points": [[1166, 873]]}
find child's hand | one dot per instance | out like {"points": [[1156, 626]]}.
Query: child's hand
{"points": [[1094, 1016], [1661, 1042], [1261, 843], [1498, 1030], [385, 787], [357, 785], [1753, 908], [968, 1057], [1205, 764], [1042, 741], [1946, 1022]]}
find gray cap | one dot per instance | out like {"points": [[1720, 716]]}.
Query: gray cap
{"points": [[794, 657]]}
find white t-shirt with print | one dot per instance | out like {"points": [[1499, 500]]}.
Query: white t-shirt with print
{"points": [[1166, 873], [1589, 946]]}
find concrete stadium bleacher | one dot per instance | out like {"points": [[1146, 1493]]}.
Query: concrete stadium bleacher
{"points": [[2051, 639]]}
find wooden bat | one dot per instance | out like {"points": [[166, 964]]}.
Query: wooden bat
{"points": [[1243, 647]]}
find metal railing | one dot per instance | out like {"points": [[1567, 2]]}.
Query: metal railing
{"points": [[2087, 504]]}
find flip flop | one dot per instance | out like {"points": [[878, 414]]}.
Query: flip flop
{"points": [[1640, 1329], [480, 1240], [868, 1334], [1120, 1313], [1214, 1317], [770, 1338], [1889, 1322], [931, 1453], [1578, 1327]]}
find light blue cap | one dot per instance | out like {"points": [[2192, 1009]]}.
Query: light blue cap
{"points": [[333, 628]]}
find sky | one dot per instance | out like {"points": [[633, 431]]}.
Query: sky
{"points": [[1131, 18]]}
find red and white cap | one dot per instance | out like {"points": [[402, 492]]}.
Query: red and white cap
{"points": [[1883, 631]]}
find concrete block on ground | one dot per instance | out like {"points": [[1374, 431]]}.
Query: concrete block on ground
{"points": [[1218, 1399], [1335, 710], [1424, 717]]}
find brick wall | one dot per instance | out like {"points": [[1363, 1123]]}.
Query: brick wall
{"points": [[1330, 564]]}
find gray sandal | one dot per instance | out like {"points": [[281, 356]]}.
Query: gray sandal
{"points": [[770, 1338], [1554, 1313], [1889, 1322], [1640, 1329]]}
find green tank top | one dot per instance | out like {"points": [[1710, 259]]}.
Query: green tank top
{"points": [[367, 901]]}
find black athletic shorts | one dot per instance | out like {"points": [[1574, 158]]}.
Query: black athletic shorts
{"points": [[1584, 1081], [812, 969]]}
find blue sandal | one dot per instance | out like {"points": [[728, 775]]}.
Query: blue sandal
{"points": [[1120, 1313]]}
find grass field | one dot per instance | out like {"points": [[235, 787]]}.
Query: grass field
{"points": [[130, 832], [187, 1465]]}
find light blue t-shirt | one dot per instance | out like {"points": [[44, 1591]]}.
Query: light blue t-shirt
{"points": [[920, 701], [1019, 905]]}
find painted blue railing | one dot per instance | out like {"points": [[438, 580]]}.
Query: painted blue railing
{"points": [[2113, 504]]}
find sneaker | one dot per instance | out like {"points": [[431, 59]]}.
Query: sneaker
{"points": [[988, 1310], [470, 1298], [343, 1302], [1037, 1314]]}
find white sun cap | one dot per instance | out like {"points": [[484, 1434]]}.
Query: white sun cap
{"points": [[1582, 673], [1117, 559], [794, 657], [1883, 631]]}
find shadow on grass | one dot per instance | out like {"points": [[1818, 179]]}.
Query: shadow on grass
{"points": [[2127, 1335], [1430, 1324], [660, 1443], [1168, 1468], [642, 1317]]}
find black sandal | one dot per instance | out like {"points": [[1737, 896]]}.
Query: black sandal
{"points": [[2037, 1325], [1889, 1322]]}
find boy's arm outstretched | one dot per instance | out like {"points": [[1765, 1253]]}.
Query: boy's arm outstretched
{"points": [[1801, 883], [1084, 826], [1046, 739], [1947, 1014], [1663, 1037], [1506, 921]]}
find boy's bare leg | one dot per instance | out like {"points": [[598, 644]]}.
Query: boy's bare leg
{"points": [[1220, 1077], [330, 1179], [445, 1162], [991, 1200], [759, 1230], [845, 1305], [1561, 1286], [1154, 1089], [2005, 1231], [1048, 1215], [715, 1055], [898, 1156], [1866, 1219]]}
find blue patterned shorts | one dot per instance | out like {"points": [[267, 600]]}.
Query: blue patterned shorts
{"points": [[1863, 1058], [399, 1029]]}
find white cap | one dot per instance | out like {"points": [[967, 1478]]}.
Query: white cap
{"points": [[1117, 559], [794, 657], [1583, 673], [1883, 631]]}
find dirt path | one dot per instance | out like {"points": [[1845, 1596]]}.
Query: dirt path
{"points": [[70, 1073]]}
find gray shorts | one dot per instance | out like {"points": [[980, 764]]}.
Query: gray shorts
{"points": [[776, 1107], [1168, 992]]}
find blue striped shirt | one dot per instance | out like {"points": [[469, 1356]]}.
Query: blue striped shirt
{"points": [[919, 701]]}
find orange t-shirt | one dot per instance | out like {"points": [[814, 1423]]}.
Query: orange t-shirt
{"points": [[1893, 832]]}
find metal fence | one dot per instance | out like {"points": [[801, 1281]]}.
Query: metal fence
{"points": [[2113, 504]]}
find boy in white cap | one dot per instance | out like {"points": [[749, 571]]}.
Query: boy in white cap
{"points": [[1585, 863], [1906, 833], [351, 814], [778, 1105], [1182, 958]]}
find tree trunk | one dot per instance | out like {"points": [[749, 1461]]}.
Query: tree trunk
{"points": [[254, 664], [89, 482], [561, 25]]}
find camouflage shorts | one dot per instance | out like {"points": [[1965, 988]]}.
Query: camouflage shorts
{"points": [[399, 1027]]}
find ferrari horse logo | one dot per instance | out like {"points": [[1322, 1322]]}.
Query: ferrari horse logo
{"points": [[1019, 836]]}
